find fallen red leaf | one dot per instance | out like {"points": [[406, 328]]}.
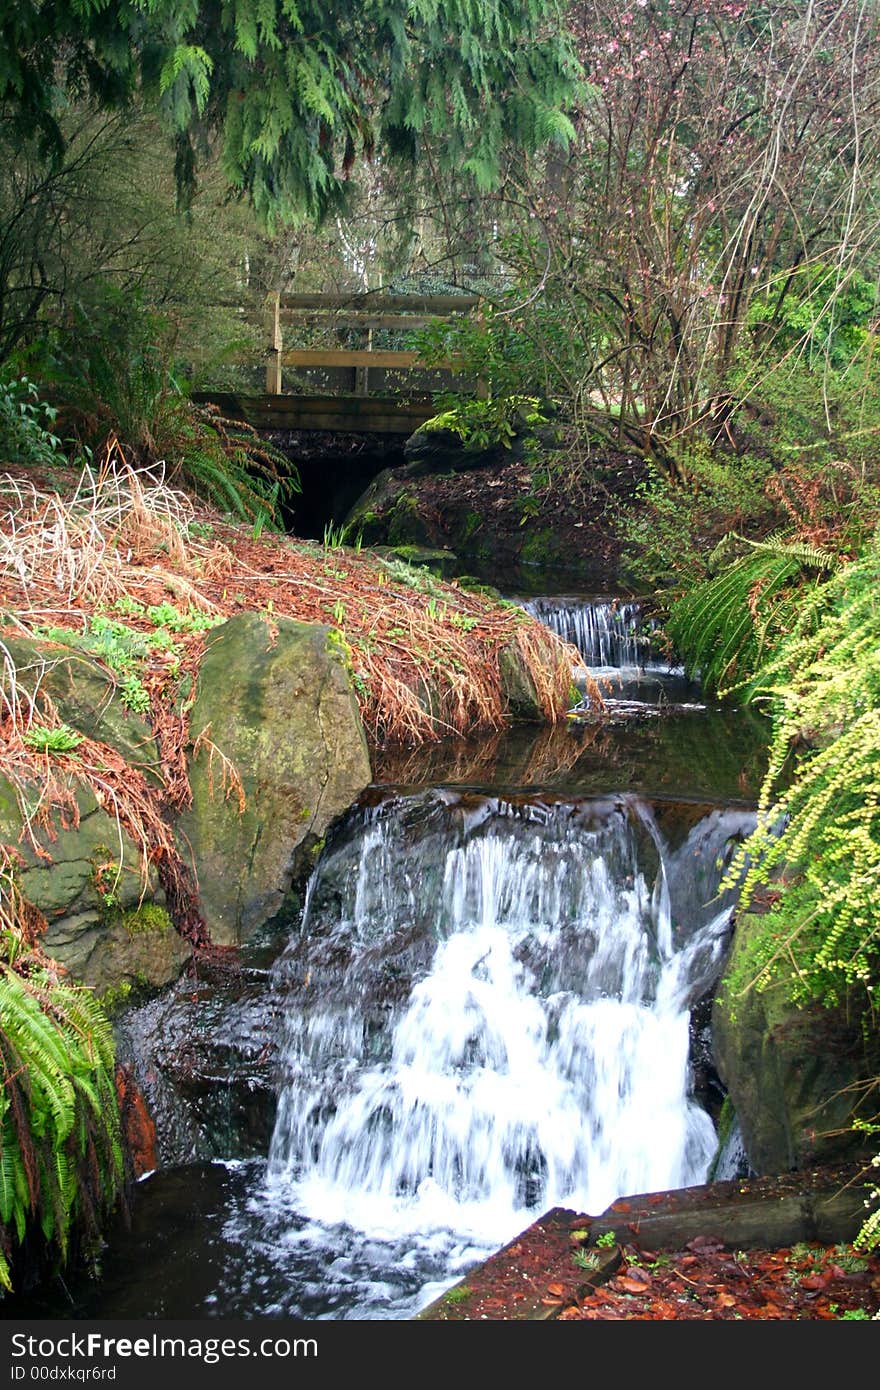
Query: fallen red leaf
{"points": [[629, 1285], [556, 1289]]}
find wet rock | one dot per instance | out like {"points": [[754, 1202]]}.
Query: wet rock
{"points": [[138, 1127], [101, 900], [204, 1055], [521, 700], [276, 702], [795, 1075]]}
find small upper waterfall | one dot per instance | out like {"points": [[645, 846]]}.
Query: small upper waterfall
{"points": [[620, 647], [606, 632], [487, 1013]]}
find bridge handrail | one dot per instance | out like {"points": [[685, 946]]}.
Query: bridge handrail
{"points": [[279, 309]]}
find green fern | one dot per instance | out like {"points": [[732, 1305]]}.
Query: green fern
{"points": [[726, 627], [60, 1148], [823, 686]]}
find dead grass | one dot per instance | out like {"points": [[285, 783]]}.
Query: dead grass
{"points": [[425, 656]]}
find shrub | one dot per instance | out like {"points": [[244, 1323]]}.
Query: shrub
{"points": [[114, 377], [26, 425]]}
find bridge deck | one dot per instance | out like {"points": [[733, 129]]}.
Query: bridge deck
{"points": [[346, 414]]}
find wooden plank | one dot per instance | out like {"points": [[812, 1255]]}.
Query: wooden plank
{"points": [[417, 303], [363, 320], [345, 414], [274, 344], [359, 357]]}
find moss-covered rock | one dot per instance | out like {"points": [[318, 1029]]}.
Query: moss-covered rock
{"points": [[278, 703], [793, 1074], [521, 702], [443, 563], [86, 697], [121, 954], [91, 883]]}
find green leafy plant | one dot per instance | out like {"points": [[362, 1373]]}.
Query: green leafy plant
{"points": [[805, 310], [488, 424], [815, 852], [586, 1259], [849, 1261], [27, 425], [334, 536], [459, 1294], [726, 626], [42, 739], [606, 1240], [168, 618], [823, 685], [462, 621], [61, 1161]]}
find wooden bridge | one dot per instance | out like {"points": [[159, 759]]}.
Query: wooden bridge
{"points": [[366, 390]]}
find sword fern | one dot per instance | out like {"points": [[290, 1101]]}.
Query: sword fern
{"points": [[60, 1148], [727, 626]]}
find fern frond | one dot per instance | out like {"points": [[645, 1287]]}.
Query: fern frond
{"points": [[60, 1150], [726, 627]]}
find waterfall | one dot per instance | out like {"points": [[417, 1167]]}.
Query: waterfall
{"points": [[608, 632], [487, 1013], [620, 649]]}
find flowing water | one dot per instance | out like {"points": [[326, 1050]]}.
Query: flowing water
{"points": [[487, 1010], [622, 650], [490, 1014], [608, 633]]}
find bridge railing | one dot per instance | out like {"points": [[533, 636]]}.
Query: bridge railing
{"points": [[365, 314]]}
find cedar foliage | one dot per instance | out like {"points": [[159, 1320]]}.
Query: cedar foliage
{"points": [[294, 93]]}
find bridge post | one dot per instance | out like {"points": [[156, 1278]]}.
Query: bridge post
{"points": [[274, 344], [361, 374]]}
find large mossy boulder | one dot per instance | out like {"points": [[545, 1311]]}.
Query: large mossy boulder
{"points": [[796, 1076], [102, 903], [276, 702]]}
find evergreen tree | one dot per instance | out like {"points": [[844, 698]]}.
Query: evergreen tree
{"points": [[295, 90]]}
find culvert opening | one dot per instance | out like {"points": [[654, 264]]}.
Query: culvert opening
{"points": [[335, 470]]}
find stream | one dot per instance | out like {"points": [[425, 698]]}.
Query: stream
{"points": [[496, 1002]]}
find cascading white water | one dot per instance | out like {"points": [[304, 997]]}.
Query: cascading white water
{"points": [[618, 646], [609, 632], [487, 1014]]}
